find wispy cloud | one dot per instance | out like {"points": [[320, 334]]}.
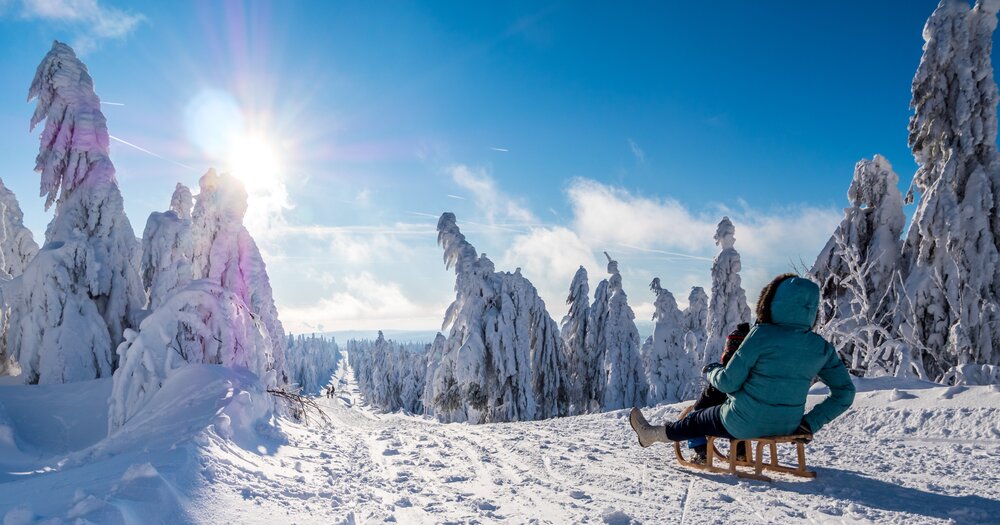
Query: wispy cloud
{"points": [[491, 201], [637, 151], [504, 150], [459, 197], [90, 21]]}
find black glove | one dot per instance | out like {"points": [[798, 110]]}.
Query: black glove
{"points": [[709, 367], [804, 429]]}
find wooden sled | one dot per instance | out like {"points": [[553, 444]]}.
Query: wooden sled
{"points": [[755, 456]]}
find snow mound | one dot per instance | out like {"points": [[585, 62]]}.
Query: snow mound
{"points": [[149, 470]]}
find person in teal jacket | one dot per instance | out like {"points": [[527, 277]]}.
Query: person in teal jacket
{"points": [[768, 378]]}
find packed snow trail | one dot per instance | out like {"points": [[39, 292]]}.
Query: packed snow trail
{"points": [[906, 453], [929, 455]]}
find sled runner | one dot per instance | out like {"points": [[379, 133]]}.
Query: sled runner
{"points": [[755, 456]]}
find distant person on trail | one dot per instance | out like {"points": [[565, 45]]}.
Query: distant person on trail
{"points": [[329, 391], [767, 379]]}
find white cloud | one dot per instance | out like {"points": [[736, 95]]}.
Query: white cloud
{"points": [[493, 203], [549, 257], [91, 21], [653, 237], [606, 215], [363, 302]]}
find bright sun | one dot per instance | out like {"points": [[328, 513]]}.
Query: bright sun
{"points": [[254, 161]]}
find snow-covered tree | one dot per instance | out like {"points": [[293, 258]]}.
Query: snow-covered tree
{"points": [[696, 322], [858, 266], [311, 361], [390, 375], [167, 251], [181, 202], [17, 249], [502, 360], [17, 245], [728, 306], [201, 323], [225, 252], [90, 265], [614, 343], [580, 376], [435, 353], [951, 253], [672, 374]]}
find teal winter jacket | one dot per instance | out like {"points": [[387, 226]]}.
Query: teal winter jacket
{"points": [[768, 378]]}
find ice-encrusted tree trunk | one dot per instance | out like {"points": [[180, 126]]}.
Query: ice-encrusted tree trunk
{"points": [[90, 243], [670, 371], [950, 255], [857, 267], [696, 322], [502, 358], [580, 375], [224, 252], [17, 244], [728, 305], [201, 323], [615, 345]]}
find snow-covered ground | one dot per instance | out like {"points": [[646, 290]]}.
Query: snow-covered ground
{"points": [[905, 453]]}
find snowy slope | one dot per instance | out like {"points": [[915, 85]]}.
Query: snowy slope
{"points": [[906, 453]]}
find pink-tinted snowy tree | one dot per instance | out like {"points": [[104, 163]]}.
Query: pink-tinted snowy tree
{"points": [[87, 280]]}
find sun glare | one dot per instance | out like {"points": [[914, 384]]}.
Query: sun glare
{"points": [[254, 161]]}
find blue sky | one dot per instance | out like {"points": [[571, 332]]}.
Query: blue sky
{"points": [[553, 131]]}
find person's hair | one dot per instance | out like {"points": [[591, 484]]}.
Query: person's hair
{"points": [[763, 310]]}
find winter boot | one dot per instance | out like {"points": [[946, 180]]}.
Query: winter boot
{"points": [[648, 434]]}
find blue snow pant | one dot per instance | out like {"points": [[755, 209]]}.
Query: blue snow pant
{"points": [[697, 425]]}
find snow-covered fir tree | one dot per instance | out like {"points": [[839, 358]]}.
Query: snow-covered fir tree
{"points": [[202, 323], [17, 249], [181, 202], [225, 252], [728, 305], [435, 353], [390, 375], [75, 302], [672, 374], [696, 322], [502, 360], [951, 253], [311, 361], [858, 266], [581, 375], [167, 252], [17, 244], [613, 342]]}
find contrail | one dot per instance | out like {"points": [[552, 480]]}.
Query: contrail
{"points": [[505, 150], [146, 151], [450, 196], [112, 103]]}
